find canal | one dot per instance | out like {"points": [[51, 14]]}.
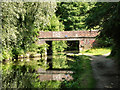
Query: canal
{"points": [[45, 72]]}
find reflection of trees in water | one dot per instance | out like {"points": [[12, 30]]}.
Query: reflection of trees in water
{"points": [[21, 74], [24, 76], [18, 76], [59, 61]]}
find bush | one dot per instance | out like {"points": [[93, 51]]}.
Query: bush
{"points": [[6, 54], [104, 42]]}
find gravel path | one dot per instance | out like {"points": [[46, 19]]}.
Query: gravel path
{"points": [[105, 72]]}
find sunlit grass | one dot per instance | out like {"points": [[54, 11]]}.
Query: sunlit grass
{"points": [[97, 51]]}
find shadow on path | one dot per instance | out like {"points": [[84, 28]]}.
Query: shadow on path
{"points": [[105, 72]]}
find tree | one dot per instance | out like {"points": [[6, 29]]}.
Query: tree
{"points": [[21, 23], [56, 25], [73, 14], [105, 16]]}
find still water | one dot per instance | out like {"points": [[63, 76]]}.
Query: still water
{"points": [[44, 72]]}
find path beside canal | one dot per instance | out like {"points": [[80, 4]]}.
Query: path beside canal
{"points": [[105, 71]]}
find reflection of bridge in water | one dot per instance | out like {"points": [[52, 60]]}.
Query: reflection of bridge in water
{"points": [[85, 39], [55, 75]]}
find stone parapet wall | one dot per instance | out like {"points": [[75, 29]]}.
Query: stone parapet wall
{"points": [[67, 34]]}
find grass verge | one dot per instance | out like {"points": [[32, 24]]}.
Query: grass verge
{"points": [[83, 76], [97, 51]]}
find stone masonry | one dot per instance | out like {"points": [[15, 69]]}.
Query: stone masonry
{"points": [[66, 34], [86, 38]]}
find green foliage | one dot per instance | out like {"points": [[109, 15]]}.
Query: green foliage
{"points": [[17, 51], [33, 47], [15, 76], [59, 46], [59, 61], [50, 84], [6, 54], [21, 23], [103, 42], [22, 74], [56, 25], [41, 48], [106, 17], [83, 75], [73, 14], [97, 51]]}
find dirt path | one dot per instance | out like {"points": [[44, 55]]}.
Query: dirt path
{"points": [[105, 72]]}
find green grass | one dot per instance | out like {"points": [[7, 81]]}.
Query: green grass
{"points": [[86, 80], [83, 76], [97, 51]]}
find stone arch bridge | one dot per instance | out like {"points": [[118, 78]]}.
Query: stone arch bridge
{"points": [[86, 38]]}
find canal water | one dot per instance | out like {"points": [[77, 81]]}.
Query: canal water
{"points": [[45, 72]]}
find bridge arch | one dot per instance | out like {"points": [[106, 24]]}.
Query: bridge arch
{"points": [[85, 38]]}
